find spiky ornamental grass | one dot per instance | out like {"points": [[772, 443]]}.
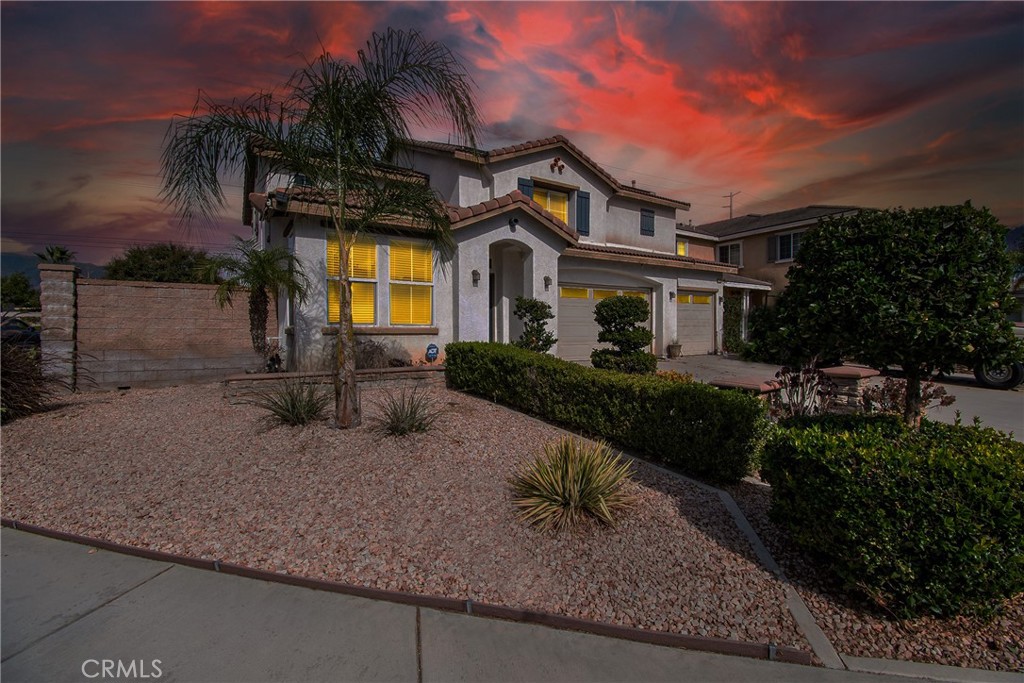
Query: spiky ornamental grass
{"points": [[571, 481], [293, 403], [404, 413]]}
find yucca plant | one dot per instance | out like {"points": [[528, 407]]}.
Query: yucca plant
{"points": [[293, 403], [404, 413], [572, 480], [25, 385]]}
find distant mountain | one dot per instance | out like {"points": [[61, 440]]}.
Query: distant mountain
{"points": [[28, 264]]}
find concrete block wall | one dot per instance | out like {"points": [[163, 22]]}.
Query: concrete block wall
{"points": [[145, 334]]}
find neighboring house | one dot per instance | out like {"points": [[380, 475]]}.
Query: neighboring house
{"points": [[763, 246], [539, 219]]}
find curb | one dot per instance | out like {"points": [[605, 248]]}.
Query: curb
{"points": [[700, 643]]}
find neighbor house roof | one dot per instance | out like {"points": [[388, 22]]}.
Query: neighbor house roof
{"points": [[769, 222], [531, 146]]}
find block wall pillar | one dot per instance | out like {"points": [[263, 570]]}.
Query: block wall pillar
{"points": [[59, 299]]}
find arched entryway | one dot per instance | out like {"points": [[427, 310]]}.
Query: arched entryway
{"points": [[511, 275]]}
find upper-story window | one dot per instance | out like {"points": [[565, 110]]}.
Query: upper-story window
{"points": [[558, 201], [682, 247], [731, 253], [784, 247], [647, 222]]}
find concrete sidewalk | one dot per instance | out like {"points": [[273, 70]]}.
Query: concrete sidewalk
{"points": [[68, 607]]}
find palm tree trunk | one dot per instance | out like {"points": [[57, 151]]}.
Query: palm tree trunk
{"points": [[259, 306], [348, 412]]}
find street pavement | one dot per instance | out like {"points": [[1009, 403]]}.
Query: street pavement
{"points": [[1003, 410], [74, 613]]}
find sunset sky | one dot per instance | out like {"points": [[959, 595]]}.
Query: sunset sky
{"points": [[871, 104]]}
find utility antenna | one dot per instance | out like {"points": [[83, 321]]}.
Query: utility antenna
{"points": [[729, 197]]}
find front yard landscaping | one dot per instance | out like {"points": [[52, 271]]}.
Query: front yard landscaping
{"points": [[182, 470]]}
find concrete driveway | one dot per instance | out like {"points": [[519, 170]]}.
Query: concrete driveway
{"points": [[1003, 410]]}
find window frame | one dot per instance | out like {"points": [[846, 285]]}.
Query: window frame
{"points": [[336, 279], [792, 250], [686, 246], [429, 285], [548, 191], [730, 245]]}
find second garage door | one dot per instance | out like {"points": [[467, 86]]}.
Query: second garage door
{"points": [[695, 322], [577, 330]]}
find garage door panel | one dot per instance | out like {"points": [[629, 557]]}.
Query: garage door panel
{"points": [[577, 330], [695, 322]]}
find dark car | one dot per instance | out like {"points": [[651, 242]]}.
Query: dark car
{"points": [[19, 333], [1005, 376]]}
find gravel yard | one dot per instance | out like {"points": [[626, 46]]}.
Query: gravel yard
{"points": [[184, 471]]}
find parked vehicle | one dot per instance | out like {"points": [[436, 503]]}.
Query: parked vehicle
{"points": [[1003, 376], [19, 333]]}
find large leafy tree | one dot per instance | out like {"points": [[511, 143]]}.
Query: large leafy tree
{"points": [[158, 263], [334, 122], [264, 273], [920, 289], [17, 292]]}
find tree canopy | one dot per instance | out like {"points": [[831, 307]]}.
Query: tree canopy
{"points": [[158, 263], [921, 289]]}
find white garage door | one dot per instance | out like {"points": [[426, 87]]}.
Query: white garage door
{"points": [[695, 322], [577, 330]]}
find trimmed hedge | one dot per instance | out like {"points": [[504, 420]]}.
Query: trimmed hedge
{"points": [[918, 522], [706, 432]]}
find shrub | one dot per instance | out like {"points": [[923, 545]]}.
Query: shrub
{"points": [[705, 432], [293, 402], [536, 336], [25, 387], [732, 325], [405, 413], [619, 318], [918, 522], [673, 376], [891, 396], [372, 354], [806, 391], [572, 480]]}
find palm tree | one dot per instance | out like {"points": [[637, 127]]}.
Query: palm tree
{"points": [[264, 273], [56, 254], [336, 123]]}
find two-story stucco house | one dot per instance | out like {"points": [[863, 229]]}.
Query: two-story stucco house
{"points": [[539, 219]]}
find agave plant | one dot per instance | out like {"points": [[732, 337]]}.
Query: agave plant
{"points": [[293, 402], [574, 479]]}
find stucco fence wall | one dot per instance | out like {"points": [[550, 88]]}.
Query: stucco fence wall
{"points": [[112, 333]]}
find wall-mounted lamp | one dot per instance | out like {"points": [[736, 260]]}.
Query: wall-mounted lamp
{"points": [[547, 282], [513, 223], [557, 165], [476, 278], [671, 296]]}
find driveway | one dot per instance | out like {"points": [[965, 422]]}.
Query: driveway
{"points": [[1003, 410]]}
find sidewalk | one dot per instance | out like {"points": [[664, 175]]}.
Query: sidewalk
{"points": [[68, 607]]}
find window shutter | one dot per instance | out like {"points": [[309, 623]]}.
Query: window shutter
{"points": [[583, 212], [647, 222], [410, 304], [526, 187], [362, 259], [773, 249], [412, 261], [363, 303]]}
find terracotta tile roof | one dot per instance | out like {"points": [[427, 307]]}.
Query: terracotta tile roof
{"points": [[460, 216], [586, 250], [512, 151]]}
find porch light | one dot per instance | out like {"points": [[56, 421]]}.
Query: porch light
{"points": [[547, 282], [476, 278], [671, 296]]}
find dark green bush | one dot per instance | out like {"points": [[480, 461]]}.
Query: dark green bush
{"points": [[918, 522], [706, 432], [619, 318], [534, 314]]}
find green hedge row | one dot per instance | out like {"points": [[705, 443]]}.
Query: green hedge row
{"points": [[919, 522], [706, 432]]}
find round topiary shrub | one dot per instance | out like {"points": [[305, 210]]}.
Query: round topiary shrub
{"points": [[619, 318]]}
